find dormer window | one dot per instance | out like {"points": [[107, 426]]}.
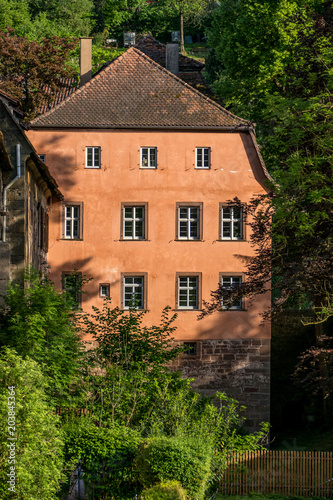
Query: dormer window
{"points": [[93, 157]]}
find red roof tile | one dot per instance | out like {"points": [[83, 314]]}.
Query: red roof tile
{"points": [[136, 92]]}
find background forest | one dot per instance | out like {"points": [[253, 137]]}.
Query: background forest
{"points": [[269, 61]]}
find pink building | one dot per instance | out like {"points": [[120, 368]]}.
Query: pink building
{"points": [[147, 166]]}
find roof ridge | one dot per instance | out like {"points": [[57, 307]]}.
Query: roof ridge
{"points": [[246, 122]]}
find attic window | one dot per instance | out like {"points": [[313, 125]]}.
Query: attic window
{"points": [[42, 157], [148, 157], [202, 158], [93, 157]]}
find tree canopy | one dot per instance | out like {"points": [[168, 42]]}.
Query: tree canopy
{"points": [[274, 68]]}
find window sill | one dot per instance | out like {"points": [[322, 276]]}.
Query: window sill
{"points": [[181, 239], [232, 241], [71, 239]]}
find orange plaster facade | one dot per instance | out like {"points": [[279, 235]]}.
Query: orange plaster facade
{"points": [[102, 254]]}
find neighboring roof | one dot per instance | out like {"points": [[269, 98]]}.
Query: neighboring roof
{"points": [[157, 50], [189, 69], [136, 92], [69, 86]]}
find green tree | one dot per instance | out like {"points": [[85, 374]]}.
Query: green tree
{"points": [[128, 361], [38, 322], [33, 461], [275, 61]]}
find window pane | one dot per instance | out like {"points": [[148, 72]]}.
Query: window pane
{"points": [[138, 280], [139, 212], [226, 229], [96, 157], [183, 213], [182, 280], [68, 228], [89, 157], [226, 213], [194, 229], [183, 229], [144, 160], [237, 229], [194, 213], [139, 229], [128, 228], [152, 157], [128, 212], [237, 212], [199, 157]]}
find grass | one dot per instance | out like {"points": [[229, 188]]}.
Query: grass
{"points": [[197, 51]]}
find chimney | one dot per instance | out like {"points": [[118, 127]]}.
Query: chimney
{"points": [[172, 58], [85, 60]]}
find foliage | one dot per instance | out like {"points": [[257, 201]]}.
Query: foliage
{"points": [[186, 460], [34, 72], [107, 457], [38, 449], [169, 490], [36, 20], [122, 371], [286, 87], [38, 322]]}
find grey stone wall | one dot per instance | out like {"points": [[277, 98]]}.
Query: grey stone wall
{"points": [[240, 368]]}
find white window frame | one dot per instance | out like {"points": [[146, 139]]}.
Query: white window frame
{"points": [[134, 220], [188, 288], [204, 162], [72, 224], [106, 292], [130, 286], [232, 221], [149, 164], [189, 221], [93, 163], [233, 280]]}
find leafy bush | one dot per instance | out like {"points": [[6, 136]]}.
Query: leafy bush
{"points": [[34, 457], [107, 458], [186, 460], [38, 321], [170, 490]]}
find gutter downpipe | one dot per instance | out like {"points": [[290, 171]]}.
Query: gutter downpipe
{"points": [[18, 175]]}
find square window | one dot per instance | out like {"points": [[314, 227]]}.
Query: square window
{"points": [[134, 291], [191, 349], [189, 221], [42, 157], [230, 281], [148, 157], [72, 285], [134, 221], [231, 222], [104, 290], [93, 157], [188, 291], [202, 158], [72, 221]]}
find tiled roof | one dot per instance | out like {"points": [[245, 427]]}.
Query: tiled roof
{"points": [[156, 51], [68, 87], [136, 92]]}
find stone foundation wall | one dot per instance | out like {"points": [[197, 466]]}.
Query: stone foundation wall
{"points": [[240, 368]]}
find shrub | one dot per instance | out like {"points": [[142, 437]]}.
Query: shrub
{"points": [[107, 458], [170, 490], [35, 458], [186, 460]]}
